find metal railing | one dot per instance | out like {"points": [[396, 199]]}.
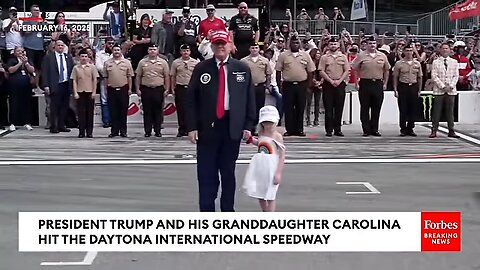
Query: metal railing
{"points": [[438, 23], [335, 27]]}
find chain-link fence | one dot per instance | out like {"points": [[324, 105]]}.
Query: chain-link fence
{"points": [[438, 23]]}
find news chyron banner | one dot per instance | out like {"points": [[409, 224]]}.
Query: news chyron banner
{"points": [[240, 232]]}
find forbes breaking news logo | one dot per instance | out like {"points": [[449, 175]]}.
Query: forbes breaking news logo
{"points": [[441, 231]]}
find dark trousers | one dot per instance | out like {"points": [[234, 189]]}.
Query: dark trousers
{"points": [[20, 103], [215, 155], [59, 104], [370, 94], [334, 101], [152, 101], [85, 108], [3, 104], [118, 104], [316, 94], [407, 105], [438, 103], [294, 97], [259, 100], [180, 92]]}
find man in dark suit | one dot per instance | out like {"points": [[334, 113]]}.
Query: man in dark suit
{"points": [[56, 70], [220, 111]]}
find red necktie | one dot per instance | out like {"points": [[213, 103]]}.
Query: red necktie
{"points": [[221, 91]]}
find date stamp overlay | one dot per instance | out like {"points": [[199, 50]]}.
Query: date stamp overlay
{"points": [[31, 24]]}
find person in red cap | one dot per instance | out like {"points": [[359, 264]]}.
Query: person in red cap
{"points": [[211, 23], [220, 111]]}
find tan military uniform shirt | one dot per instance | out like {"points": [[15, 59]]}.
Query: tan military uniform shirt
{"points": [[334, 64], [408, 72], [182, 70], [118, 72], [371, 66], [295, 66], [84, 76], [260, 68], [152, 73]]}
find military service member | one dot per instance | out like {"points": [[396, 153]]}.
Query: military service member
{"points": [[119, 73], [373, 69], [152, 82], [180, 73], [296, 68], [407, 84], [261, 75], [334, 69]]}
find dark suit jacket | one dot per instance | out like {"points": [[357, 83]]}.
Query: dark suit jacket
{"points": [[201, 99], [50, 72]]}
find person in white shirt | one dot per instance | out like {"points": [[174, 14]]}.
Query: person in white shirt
{"points": [[100, 59], [445, 75], [11, 27], [275, 90]]}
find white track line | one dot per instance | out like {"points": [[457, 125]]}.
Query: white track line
{"points": [[463, 136], [192, 161], [88, 260], [369, 186]]}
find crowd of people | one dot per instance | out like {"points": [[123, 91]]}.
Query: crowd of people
{"points": [[289, 65]]}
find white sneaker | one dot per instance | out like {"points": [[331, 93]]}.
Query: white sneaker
{"points": [[12, 128], [28, 127]]}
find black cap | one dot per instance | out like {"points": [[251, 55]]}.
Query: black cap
{"points": [[184, 47], [254, 44], [116, 45], [186, 10], [294, 37], [152, 45], [333, 39], [371, 38]]}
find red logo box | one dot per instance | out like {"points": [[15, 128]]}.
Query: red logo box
{"points": [[441, 231]]}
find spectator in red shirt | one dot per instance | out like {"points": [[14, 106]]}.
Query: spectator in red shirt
{"points": [[211, 23], [464, 66]]}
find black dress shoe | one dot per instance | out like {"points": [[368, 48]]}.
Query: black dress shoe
{"points": [[286, 134], [89, 136], [66, 130], [54, 131], [123, 135], [365, 135], [158, 135], [412, 134], [302, 134], [377, 134], [453, 135], [147, 135], [112, 135], [339, 134], [329, 134], [107, 125], [81, 136], [179, 135], [403, 133]]}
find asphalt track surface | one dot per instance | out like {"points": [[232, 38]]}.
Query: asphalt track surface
{"points": [[439, 184]]}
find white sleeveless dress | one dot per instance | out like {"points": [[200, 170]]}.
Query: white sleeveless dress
{"points": [[258, 182]]}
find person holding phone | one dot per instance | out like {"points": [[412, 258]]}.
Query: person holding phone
{"points": [[11, 27]]}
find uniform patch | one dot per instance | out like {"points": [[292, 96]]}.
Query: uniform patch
{"points": [[205, 78], [240, 78]]}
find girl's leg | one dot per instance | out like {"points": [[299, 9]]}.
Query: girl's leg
{"points": [[272, 205], [263, 205]]}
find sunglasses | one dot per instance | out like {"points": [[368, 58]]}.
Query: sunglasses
{"points": [[242, 7]]}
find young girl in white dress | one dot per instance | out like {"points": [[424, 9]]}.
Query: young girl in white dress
{"points": [[264, 173]]}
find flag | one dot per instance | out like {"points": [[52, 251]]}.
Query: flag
{"points": [[469, 8], [359, 10]]}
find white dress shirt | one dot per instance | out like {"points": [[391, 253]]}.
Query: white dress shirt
{"points": [[227, 93], [65, 69]]}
